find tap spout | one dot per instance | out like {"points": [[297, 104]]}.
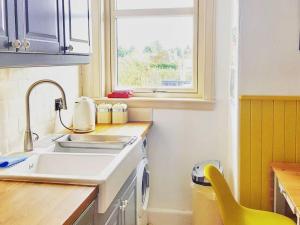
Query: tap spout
{"points": [[28, 143]]}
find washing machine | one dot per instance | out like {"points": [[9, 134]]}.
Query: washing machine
{"points": [[143, 187]]}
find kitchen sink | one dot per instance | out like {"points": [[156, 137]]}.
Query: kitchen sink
{"points": [[80, 143], [51, 164], [107, 168]]}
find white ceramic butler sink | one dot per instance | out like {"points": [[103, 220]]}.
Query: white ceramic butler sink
{"points": [[65, 167], [109, 170]]}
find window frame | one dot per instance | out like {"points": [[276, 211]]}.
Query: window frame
{"points": [[204, 26]]}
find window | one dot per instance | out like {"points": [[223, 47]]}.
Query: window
{"points": [[157, 47]]}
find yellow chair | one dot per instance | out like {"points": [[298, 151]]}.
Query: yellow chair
{"points": [[233, 213]]}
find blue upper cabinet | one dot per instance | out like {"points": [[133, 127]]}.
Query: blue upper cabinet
{"points": [[7, 26], [77, 26], [44, 32], [40, 26]]}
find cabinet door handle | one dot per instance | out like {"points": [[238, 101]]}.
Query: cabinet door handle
{"points": [[69, 48], [122, 212], [26, 44], [16, 44], [125, 203], [123, 206]]}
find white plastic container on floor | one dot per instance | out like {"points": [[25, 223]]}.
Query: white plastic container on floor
{"points": [[205, 204], [205, 208]]}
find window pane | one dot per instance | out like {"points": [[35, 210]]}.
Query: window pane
{"points": [[153, 4], [155, 52]]}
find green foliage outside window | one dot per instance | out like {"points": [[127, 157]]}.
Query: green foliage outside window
{"points": [[153, 66]]}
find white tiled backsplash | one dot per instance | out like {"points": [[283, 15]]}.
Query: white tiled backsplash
{"points": [[13, 86]]}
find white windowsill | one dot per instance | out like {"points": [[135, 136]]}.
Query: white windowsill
{"points": [[162, 103]]}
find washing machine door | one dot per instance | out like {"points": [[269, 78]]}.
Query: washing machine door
{"points": [[143, 189]]}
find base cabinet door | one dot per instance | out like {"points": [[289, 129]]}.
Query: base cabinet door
{"points": [[122, 210], [87, 217], [7, 25], [114, 218], [128, 206], [40, 26]]}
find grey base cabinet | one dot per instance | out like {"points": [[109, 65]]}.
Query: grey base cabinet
{"points": [[114, 217], [87, 217], [123, 209], [128, 206]]}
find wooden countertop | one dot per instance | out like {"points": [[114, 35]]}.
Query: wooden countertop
{"points": [[23, 203], [288, 175], [131, 128], [36, 204]]}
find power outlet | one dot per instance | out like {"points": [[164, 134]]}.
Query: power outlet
{"points": [[58, 104]]}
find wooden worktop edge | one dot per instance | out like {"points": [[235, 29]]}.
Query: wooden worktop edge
{"points": [[147, 129], [76, 214]]}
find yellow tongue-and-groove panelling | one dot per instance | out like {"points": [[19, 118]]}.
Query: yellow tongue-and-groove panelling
{"points": [[269, 132]]}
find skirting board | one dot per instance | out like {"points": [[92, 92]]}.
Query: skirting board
{"points": [[169, 217]]}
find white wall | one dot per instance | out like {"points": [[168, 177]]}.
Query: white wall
{"points": [[269, 47], [181, 138], [233, 119], [13, 86], [269, 57], [269, 63]]}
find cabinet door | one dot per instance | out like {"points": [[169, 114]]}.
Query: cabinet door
{"points": [[7, 25], [87, 217], [40, 26], [129, 200], [114, 218], [77, 26]]}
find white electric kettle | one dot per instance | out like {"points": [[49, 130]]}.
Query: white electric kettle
{"points": [[84, 118]]}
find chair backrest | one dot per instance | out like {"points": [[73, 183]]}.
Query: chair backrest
{"points": [[229, 208]]}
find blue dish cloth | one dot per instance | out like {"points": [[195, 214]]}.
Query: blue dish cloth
{"points": [[11, 160]]}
